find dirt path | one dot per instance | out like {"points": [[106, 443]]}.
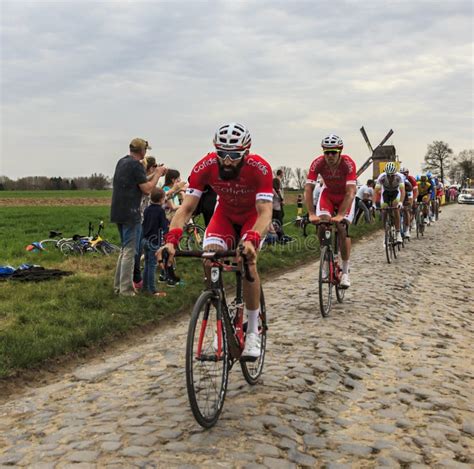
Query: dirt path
{"points": [[386, 380], [54, 202]]}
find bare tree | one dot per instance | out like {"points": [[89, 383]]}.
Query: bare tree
{"points": [[462, 168], [300, 177], [287, 176], [437, 157]]}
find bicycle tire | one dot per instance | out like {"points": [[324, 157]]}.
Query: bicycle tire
{"points": [[393, 241], [388, 249], [194, 243], [206, 402], [325, 298], [70, 248], [340, 292], [49, 244], [253, 370], [107, 248]]}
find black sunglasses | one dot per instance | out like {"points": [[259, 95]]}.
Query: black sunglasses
{"points": [[331, 152], [233, 155]]}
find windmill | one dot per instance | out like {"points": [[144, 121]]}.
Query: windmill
{"points": [[381, 154]]}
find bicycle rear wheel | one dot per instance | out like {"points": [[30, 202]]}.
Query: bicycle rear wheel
{"points": [[49, 244], [388, 245], [326, 265], [253, 369], [206, 373], [393, 241]]}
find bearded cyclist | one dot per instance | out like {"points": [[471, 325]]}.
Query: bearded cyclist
{"points": [[337, 198], [243, 183]]}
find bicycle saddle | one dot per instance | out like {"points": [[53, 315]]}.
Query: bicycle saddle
{"points": [[53, 234]]}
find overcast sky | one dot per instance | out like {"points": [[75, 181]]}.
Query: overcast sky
{"points": [[80, 79]]}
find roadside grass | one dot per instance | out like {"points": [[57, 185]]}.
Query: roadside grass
{"points": [[52, 194], [44, 320]]}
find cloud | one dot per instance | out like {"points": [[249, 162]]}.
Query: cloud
{"points": [[80, 79]]}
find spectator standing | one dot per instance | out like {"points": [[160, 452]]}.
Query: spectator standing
{"points": [[172, 186], [129, 183], [279, 176], [277, 205], [299, 205], [149, 162], [155, 226], [364, 201]]}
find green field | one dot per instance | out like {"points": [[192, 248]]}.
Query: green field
{"points": [[47, 319], [55, 194]]}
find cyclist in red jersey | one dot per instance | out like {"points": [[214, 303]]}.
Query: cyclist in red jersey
{"points": [[337, 198], [413, 183], [243, 183]]}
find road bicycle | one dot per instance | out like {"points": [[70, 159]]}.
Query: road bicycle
{"points": [[390, 242], [330, 272], [193, 236], [216, 338], [420, 218]]}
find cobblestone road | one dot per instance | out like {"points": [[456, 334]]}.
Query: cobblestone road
{"points": [[386, 381]]}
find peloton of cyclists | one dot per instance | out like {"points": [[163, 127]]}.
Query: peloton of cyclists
{"points": [[337, 198]]}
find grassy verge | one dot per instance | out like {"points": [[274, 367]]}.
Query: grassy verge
{"points": [[40, 321]]}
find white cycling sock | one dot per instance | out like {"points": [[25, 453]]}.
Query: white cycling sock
{"points": [[252, 324], [345, 267]]}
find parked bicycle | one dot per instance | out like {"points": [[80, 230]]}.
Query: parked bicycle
{"points": [[330, 271], [216, 338], [193, 236]]}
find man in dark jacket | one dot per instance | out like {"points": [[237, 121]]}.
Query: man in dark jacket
{"points": [[129, 182]]}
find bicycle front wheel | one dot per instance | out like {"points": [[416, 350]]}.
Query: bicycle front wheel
{"points": [[206, 371], [253, 369], [326, 266]]}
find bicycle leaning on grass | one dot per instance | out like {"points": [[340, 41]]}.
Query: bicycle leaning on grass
{"points": [[216, 337]]}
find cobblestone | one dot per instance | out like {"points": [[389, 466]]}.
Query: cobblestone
{"points": [[384, 381]]}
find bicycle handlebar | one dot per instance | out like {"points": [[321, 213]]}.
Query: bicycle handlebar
{"points": [[213, 255]]}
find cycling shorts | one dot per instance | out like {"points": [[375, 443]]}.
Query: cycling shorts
{"points": [[328, 204], [423, 197], [225, 230], [389, 196]]}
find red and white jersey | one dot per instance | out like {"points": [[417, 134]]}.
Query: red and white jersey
{"points": [[334, 180], [236, 195]]}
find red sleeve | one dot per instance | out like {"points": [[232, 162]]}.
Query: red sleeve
{"points": [[199, 176], [265, 183], [313, 172], [351, 170]]}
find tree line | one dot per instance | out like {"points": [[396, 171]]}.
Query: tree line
{"points": [[439, 159], [31, 183]]}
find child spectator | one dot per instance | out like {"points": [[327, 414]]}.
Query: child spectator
{"points": [[155, 226]]}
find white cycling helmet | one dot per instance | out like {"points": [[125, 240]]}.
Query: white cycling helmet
{"points": [[404, 170], [390, 168], [332, 141], [232, 136]]}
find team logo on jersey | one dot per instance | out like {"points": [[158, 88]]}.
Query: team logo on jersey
{"points": [[205, 164], [257, 164]]}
